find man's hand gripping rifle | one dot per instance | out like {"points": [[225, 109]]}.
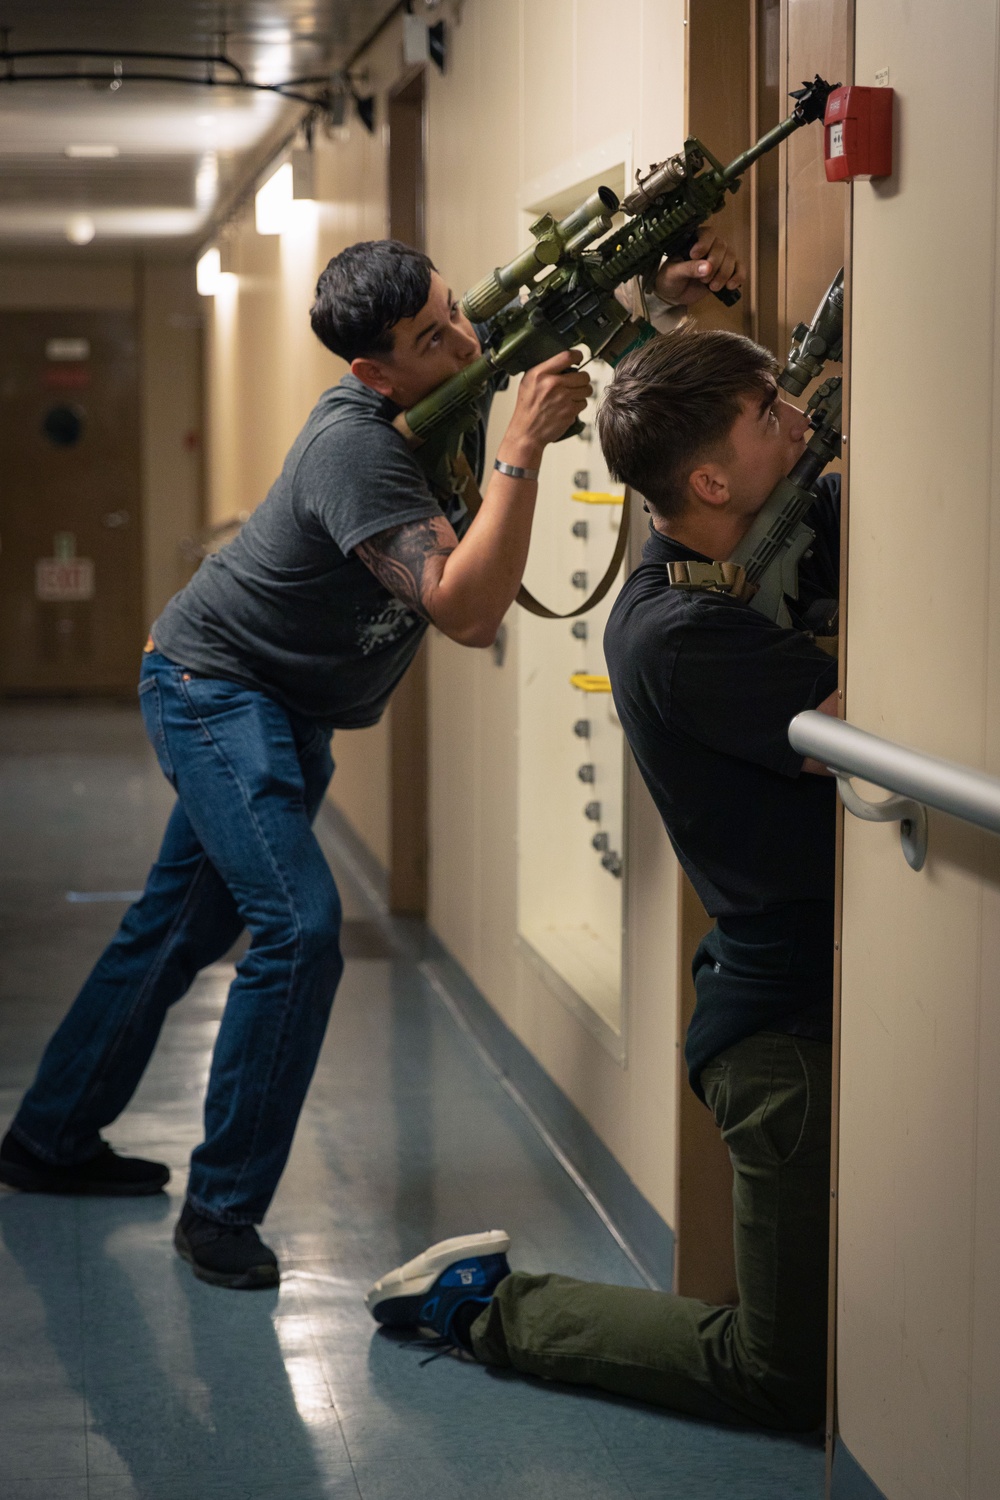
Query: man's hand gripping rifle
{"points": [[573, 302], [765, 566]]}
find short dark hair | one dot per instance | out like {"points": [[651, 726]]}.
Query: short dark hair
{"points": [[673, 402], [363, 294]]}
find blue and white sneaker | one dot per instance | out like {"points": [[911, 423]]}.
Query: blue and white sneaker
{"points": [[426, 1292]]}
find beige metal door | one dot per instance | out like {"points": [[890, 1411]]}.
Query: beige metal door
{"points": [[70, 543]]}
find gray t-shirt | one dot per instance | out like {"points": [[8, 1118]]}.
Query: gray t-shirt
{"points": [[286, 607]]}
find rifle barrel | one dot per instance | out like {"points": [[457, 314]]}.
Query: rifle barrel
{"points": [[760, 148], [810, 106]]}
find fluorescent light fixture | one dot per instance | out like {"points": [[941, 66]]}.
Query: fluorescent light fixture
{"points": [[92, 152], [80, 229], [206, 182], [273, 204], [208, 273]]}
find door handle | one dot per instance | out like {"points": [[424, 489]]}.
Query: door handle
{"points": [[115, 518]]}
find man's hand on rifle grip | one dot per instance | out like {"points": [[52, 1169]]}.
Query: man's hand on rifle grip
{"points": [[549, 399], [711, 266]]}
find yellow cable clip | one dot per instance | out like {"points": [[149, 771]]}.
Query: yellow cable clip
{"points": [[590, 682], [597, 497]]}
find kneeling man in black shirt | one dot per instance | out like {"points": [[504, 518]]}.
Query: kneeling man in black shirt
{"points": [[705, 688]]}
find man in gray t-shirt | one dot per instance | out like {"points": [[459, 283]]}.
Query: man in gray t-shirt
{"points": [[288, 607], [303, 624]]}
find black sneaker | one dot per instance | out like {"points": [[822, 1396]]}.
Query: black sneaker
{"points": [[232, 1255], [106, 1175]]}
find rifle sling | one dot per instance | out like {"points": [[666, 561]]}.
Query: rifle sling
{"points": [[469, 490]]}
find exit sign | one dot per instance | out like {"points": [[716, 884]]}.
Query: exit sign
{"points": [[64, 580]]}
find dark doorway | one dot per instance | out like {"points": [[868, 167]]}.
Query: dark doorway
{"points": [[408, 724], [70, 534]]}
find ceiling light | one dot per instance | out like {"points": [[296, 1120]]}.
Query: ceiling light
{"points": [[206, 182], [92, 152], [273, 204], [80, 229], [210, 279], [208, 273]]}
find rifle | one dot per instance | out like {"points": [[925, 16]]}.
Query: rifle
{"points": [[765, 566], [573, 302]]}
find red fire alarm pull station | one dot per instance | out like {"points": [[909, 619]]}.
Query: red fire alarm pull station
{"points": [[858, 131]]}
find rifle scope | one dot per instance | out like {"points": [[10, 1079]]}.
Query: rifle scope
{"points": [[821, 341], [552, 240]]}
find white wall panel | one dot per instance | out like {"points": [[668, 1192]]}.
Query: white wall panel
{"points": [[532, 86]]}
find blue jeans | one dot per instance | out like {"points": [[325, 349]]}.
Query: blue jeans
{"points": [[238, 851]]}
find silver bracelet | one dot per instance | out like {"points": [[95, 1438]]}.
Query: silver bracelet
{"points": [[513, 472]]}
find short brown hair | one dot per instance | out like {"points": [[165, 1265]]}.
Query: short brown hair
{"points": [[672, 403]]}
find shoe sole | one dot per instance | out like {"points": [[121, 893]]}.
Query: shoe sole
{"points": [[389, 1300], [27, 1181], [254, 1279]]}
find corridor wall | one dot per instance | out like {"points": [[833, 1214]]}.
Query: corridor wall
{"points": [[528, 89], [537, 93], [919, 1283]]}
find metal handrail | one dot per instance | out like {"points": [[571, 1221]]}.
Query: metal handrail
{"points": [[918, 780]]}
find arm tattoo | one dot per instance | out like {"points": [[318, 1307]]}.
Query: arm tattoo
{"points": [[399, 559]]}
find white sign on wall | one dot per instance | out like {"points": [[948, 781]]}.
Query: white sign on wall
{"points": [[63, 350]]}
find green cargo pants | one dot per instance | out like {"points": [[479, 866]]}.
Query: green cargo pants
{"points": [[764, 1360]]}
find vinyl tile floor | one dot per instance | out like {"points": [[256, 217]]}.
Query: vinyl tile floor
{"points": [[124, 1378]]}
